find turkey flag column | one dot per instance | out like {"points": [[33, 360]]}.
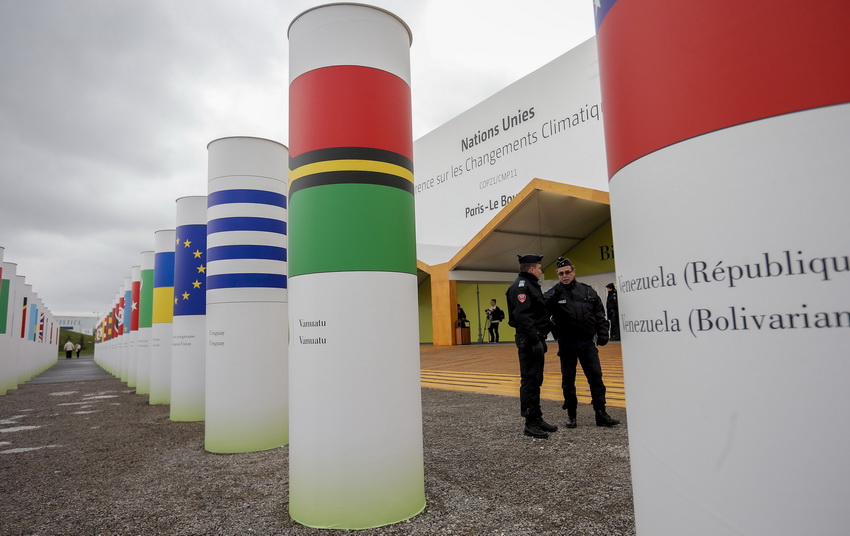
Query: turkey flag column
{"points": [[355, 400], [727, 126]]}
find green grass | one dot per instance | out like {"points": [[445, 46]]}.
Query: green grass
{"points": [[85, 341]]}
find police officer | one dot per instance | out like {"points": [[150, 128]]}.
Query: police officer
{"points": [[527, 313], [612, 308], [579, 316]]}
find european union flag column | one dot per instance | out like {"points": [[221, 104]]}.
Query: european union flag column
{"points": [[247, 396], [162, 316], [355, 407], [727, 127], [189, 337]]}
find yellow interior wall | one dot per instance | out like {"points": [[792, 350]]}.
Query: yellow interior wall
{"points": [[467, 299], [426, 325], [593, 255]]}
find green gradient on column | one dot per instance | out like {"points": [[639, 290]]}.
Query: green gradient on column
{"points": [[352, 227], [259, 439], [353, 503]]}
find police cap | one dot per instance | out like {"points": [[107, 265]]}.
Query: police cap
{"points": [[530, 259], [561, 262]]}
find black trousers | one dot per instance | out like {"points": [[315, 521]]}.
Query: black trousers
{"points": [[614, 332], [584, 352], [493, 329], [531, 363]]}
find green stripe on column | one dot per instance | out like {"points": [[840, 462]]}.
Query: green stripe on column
{"points": [[146, 299], [352, 227], [5, 285]]}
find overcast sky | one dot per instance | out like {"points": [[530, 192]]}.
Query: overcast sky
{"points": [[107, 106]]}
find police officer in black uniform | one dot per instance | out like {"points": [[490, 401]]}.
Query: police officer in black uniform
{"points": [[612, 308], [579, 316], [527, 313]]}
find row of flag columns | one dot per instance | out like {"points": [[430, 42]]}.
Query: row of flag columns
{"points": [[219, 348], [29, 332], [186, 326]]}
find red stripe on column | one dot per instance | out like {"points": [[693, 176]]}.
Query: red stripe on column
{"points": [[135, 293], [120, 324], [671, 70], [349, 106]]}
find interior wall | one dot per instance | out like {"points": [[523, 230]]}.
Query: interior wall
{"points": [[426, 325], [593, 255]]}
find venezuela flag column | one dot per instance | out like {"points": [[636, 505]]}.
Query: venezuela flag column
{"points": [[355, 407], [727, 127]]}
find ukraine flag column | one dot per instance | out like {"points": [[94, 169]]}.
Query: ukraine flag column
{"points": [[355, 407], [162, 316]]}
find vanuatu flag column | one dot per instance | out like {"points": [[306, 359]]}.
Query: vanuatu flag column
{"points": [[355, 408]]}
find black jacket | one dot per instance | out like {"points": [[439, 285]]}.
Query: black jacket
{"points": [[577, 312], [611, 306], [526, 309]]}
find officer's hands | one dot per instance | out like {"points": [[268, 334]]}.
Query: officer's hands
{"points": [[538, 347], [601, 340]]}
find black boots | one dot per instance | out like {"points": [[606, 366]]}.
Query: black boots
{"points": [[545, 426], [533, 429], [537, 427], [603, 419]]}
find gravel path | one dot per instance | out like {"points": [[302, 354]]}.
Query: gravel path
{"points": [[91, 458]]}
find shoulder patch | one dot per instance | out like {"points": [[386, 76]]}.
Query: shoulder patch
{"points": [[521, 298], [521, 283]]}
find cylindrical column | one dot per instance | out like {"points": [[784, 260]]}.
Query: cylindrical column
{"points": [[189, 336], [133, 317], [7, 299], [19, 310], [5, 340], [117, 328], [25, 352], [127, 342], [162, 316], [354, 352], [143, 339], [727, 125], [247, 357]]}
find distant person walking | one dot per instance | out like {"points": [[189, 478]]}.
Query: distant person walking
{"points": [[69, 347], [78, 348]]}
